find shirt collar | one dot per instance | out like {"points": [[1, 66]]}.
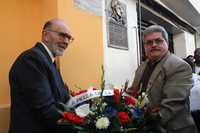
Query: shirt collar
{"points": [[48, 51], [158, 60]]}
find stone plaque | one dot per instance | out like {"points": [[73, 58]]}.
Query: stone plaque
{"points": [[117, 35], [116, 24]]}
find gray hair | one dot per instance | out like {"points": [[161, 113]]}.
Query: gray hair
{"points": [[156, 28]]}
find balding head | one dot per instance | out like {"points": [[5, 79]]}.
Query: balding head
{"points": [[53, 23], [56, 36]]}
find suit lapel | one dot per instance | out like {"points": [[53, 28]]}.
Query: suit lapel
{"points": [[55, 78], [43, 50], [153, 76], [139, 74], [155, 73]]}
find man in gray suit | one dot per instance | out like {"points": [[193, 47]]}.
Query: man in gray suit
{"points": [[167, 80]]}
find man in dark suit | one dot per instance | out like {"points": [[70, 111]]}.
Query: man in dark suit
{"points": [[167, 81], [36, 86]]}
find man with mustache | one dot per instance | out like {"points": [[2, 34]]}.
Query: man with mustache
{"points": [[167, 81], [36, 86]]}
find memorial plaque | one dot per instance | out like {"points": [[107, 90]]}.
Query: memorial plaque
{"points": [[117, 36], [116, 25]]}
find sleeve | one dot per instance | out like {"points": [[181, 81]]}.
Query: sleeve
{"points": [[176, 91], [35, 90]]}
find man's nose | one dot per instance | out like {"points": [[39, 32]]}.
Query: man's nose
{"points": [[154, 43]]}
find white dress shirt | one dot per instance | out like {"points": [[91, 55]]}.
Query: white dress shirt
{"points": [[48, 51]]}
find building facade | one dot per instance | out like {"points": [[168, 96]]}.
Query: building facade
{"points": [[106, 32]]}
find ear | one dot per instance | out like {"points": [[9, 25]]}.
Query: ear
{"points": [[45, 36]]}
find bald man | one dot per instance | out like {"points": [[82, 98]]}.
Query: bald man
{"points": [[36, 86]]}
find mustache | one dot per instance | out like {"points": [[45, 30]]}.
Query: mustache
{"points": [[63, 45], [152, 50]]}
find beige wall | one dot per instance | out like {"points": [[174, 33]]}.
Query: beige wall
{"points": [[19, 30], [184, 44], [81, 64], [21, 24]]}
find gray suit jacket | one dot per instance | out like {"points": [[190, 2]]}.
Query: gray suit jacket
{"points": [[169, 87]]}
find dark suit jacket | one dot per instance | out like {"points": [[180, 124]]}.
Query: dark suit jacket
{"points": [[169, 86], [36, 87]]}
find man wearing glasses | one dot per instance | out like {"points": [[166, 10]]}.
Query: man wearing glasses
{"points": [[36, 86], [167, 81]]}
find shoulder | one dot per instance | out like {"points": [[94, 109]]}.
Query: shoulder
{"points": [[142, 66], [31, 56], [174, 63], [173, 59], [34, 53]]}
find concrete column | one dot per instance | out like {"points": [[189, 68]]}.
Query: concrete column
{"points": [[184, 44]]}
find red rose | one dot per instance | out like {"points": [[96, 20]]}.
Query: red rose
{"points": [[94, 88], [123, 116], [72, 117], [80, 92], [129, 100], [116, 96]]}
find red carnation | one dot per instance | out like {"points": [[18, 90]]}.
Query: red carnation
{"points": [[123, 116], [94, 88], [80, 92], [116, 96], [72, 117], [129, 100]]}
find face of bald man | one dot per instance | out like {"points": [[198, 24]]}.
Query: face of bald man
{"points": [[57, 37]]}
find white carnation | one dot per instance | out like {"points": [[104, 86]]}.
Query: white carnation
{"points": [[146, 100], [102, 123], [143, 94]]}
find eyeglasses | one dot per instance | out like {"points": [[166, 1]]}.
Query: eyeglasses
{"points": [[157, 41], [63, 35]]}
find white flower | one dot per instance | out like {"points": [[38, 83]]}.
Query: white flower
{"points": [[146, 100], [143, 100], [83, 110], [102, 123], [143, 94]]}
